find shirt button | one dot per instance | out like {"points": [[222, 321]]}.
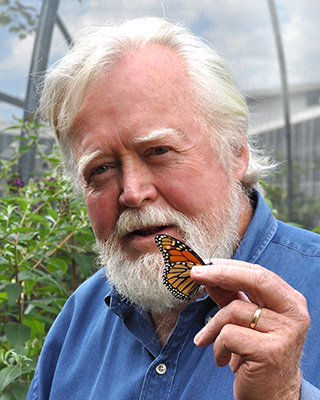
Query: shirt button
{"points": [[161, 369]]}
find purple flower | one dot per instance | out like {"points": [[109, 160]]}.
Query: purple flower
{"points": [[19, 182]]}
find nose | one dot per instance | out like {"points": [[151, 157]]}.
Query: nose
{"points": [[137, 186]]}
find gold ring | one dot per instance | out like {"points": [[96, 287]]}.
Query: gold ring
{"points": [[255, 318]]}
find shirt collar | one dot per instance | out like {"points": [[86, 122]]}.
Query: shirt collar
{"points": [[260, 232], [118, 304]]}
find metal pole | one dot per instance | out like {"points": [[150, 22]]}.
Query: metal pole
{"points": [[11, 100], [38, 66], [286, 107], [64, 31]]}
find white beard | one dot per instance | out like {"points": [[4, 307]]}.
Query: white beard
{"points": [[212, 234]]}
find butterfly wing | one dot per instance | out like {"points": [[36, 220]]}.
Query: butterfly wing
{"points": [[179, 259]]}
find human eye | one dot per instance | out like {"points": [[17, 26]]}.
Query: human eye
{"points": [[159, 154], [159, 150], [98, 174], [101, 169]]}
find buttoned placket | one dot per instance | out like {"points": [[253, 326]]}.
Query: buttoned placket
{"points": [[159, 377]]}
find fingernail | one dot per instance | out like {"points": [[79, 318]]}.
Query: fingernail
{"points": [[198, 336], [199, 269]]}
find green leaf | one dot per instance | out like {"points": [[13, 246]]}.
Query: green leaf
{"points": [[7, 396], [13, 292], [84, 262], [29, 286], [5, 20], [43, 306], [316, 230], [3, 261], [19, 390], [52, 213], [24, 229], [26, 275], [37, 327], [3, 297], [9, 374], [38, 218], [17, 334], [57, 264], [22, 203]]}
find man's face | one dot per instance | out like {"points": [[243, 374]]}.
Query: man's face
{"points": [[138, 142]]}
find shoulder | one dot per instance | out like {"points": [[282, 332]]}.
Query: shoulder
{"points": [[72, 328], [84, 303], [294, 254], [93, 286], [89, 296], [82, 307], [297, 240]]}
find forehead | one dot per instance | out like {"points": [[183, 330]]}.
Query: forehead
{"points": [[147, 91], [155, 66], [155, 73]]}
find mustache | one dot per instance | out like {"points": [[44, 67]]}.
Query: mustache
{"points": [[148, 217]]}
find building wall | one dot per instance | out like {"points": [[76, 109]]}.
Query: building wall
{"points": [[267, 122], [305, 141]]}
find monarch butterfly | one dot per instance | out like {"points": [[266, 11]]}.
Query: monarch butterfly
{"points": [[179, 259]]}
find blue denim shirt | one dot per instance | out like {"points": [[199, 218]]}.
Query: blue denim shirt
{"points": [[98, 351]]}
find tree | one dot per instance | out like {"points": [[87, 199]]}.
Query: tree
{"points": [[18, 18]]}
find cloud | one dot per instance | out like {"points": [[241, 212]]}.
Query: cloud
{"points": [[301, 41], [240, 30], [15, 65]]}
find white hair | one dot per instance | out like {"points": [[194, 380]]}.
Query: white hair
{"points": [[223, 108]]}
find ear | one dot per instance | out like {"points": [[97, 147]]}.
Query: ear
{"points": [[241, 158]]}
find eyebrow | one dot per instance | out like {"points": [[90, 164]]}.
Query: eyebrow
{"points": [[85, 159], [156, 135]]}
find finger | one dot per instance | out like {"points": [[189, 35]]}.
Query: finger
{"points": [[229, 261], [234, 339], [237, 313], [223, 297], [262, 286]]}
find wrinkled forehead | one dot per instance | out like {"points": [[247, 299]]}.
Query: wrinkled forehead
{"points": [[153, 72]]}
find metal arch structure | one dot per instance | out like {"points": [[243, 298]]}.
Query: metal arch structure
{"points": [[40, 53], [286, 106], [39, 63], [18, 102], [11, 100], [41, 49]]}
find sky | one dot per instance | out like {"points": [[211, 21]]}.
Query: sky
{"points": [[240, 30]]}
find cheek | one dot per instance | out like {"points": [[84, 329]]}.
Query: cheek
{"points": [[102, 214], [196, 193]]}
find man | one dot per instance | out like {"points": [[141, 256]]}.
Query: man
{"points": [[152, 127]]}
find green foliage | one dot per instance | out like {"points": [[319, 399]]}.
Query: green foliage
{"points": [[45, 252], [19, 18], [306, 208]]}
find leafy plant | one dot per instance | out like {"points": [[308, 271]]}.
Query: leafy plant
{"points": [[19, 18], [306, 208], [45, 252]]}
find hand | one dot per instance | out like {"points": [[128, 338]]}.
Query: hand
{"points": [[265, 360]]}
